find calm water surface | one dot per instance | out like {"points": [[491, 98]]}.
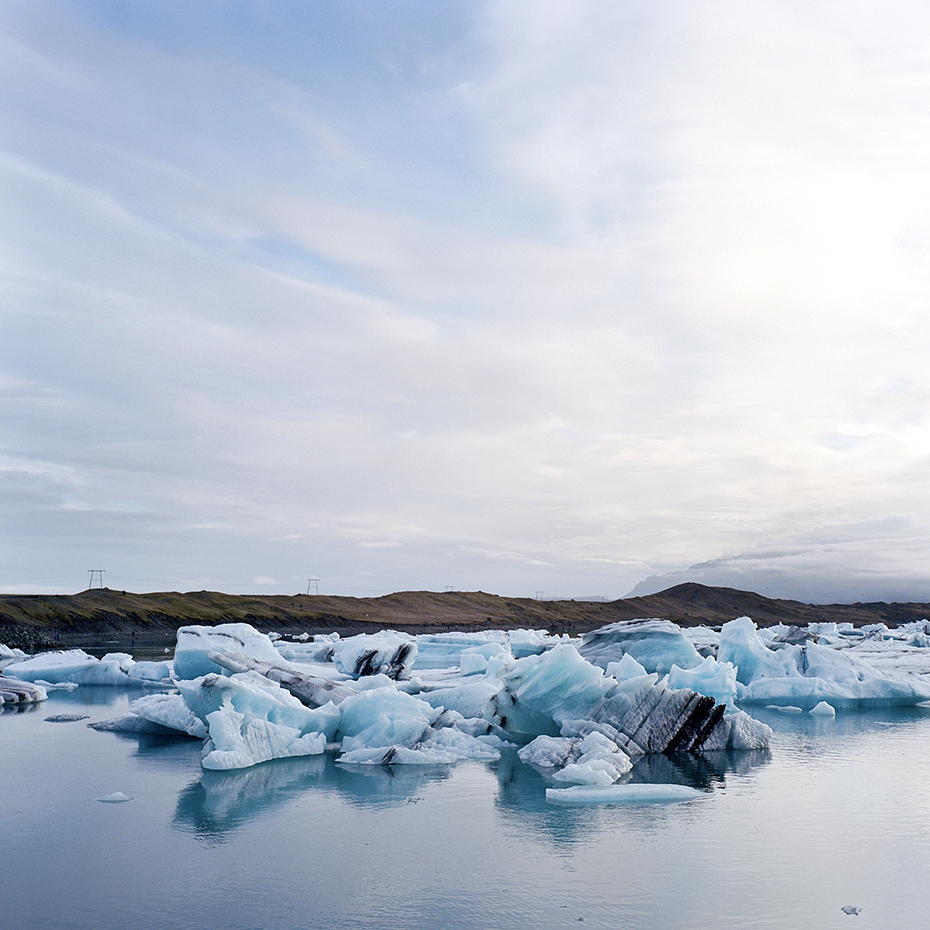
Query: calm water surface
{"points": [[837, 813]]}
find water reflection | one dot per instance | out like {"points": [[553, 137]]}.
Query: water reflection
{"points": [[521, 797], [705, 771], [30, 708], [218, 803]]}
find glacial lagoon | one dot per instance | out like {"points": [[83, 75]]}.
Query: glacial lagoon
{"points": [[112, 829]]}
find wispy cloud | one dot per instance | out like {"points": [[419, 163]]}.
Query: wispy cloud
{"points": [[557, 301]]}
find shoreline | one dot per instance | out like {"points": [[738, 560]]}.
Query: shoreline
{"points": [[102, 615]]}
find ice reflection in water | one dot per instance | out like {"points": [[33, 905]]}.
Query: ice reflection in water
{"points": [[837, 812]]}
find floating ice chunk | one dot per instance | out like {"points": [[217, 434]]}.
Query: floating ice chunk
{"points": [[162, 714], [593, 760], [133, 723], [194, 642], [622, 794], [7, 653], [457, 739], [169, 710], [116, 798], [318, 648], [73, 665], [549, 752], [542, 693], [238, 741], [805, 675], [385, 725], [123, 659], [444, 650], [656, 644], [714, 679], [14, 691], [386, 652], [559, 693], [252, 719], [785, 708], [385, 718], [823, 709]]}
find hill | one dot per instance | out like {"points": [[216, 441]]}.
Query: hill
{"points": [[38, 620]]}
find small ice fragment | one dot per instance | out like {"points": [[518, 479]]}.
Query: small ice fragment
{"points": [[823, 709], [65, 718], [851, 909], [622, 794], [115, 798], [785, 709]]}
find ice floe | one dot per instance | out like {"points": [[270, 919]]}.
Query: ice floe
{"points": [[623, 794], [75, 666]]}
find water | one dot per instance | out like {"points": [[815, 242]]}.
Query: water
{"points": [[837, 813]]}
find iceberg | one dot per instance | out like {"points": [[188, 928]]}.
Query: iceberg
{"points": [[384, 725], [823, 709], [656, 644], [711, 678], [76, 666], [194, 642], [592, 760], [14, 691], [445, 650], [581, 725], [251, 719], [803, 675], [157, 713], [560, 693], [384, 653]]}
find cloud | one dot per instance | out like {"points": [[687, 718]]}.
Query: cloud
{"points": [[521, 302]]}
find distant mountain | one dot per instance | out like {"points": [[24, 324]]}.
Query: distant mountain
{"points": [[38, 620]]}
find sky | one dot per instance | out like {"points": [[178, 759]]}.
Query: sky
{"points": [[573, 299]]}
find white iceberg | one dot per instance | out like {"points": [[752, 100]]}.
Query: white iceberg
{"points": [[823, 709], [194, 642], [560, 693], [656, 644], [252, 719], [255, 705], [385, 725], [383, 653], [592, 760], [805, 675], [76, 666]]}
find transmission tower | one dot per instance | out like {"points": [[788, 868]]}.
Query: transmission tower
{"points": [[99, 572], [316, 585]]}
